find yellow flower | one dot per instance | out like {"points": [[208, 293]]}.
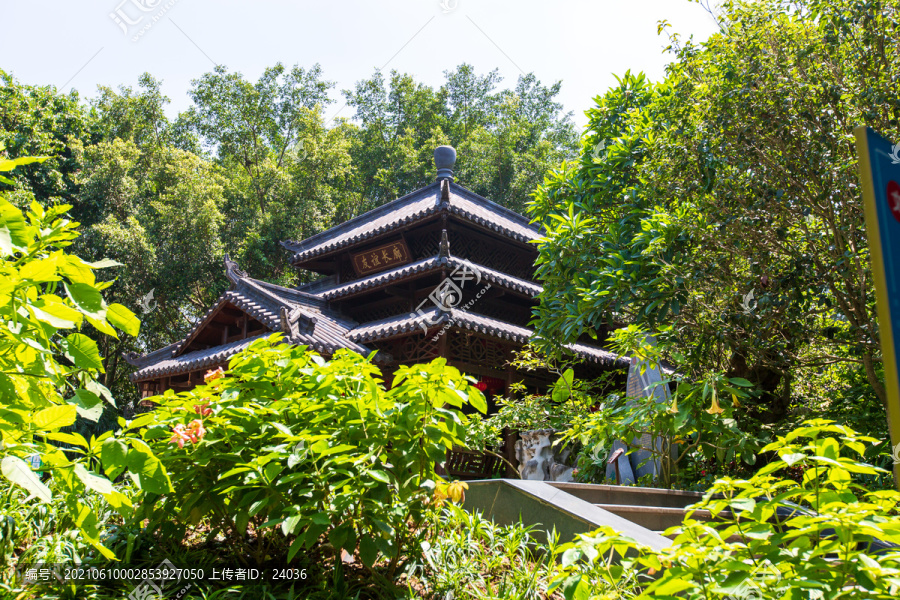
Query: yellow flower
{"points": [[457, 491], [715, 409], [454, 491]]}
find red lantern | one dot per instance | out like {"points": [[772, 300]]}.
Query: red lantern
{"points": [[481, 386]]}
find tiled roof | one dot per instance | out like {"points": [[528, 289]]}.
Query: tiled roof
{"points": [[136, 360], [427, 265], [401, 324], [302, 317], [422, 266], [191, 361], [413, 207]]}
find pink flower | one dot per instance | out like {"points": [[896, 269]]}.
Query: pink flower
{"points": [[203, 409], [196, 431], [193, 433], [180, 436]]}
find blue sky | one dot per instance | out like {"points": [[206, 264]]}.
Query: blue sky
{"points": [[583, 43]]}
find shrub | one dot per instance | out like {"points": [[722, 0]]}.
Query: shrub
{"points": [[289, 441], [49, 370], [469, 557], [699, 424], [822, 537]]}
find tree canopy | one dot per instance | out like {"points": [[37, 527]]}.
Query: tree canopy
{"points": [[252, 163], [720, 207]]}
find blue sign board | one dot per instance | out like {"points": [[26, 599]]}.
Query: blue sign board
{"points": [[879, 169]]}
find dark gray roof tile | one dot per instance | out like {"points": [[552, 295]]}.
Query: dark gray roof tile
{"points": [[413, 207], [316, 327], [191, 361], [425, 266], [402, 324]]}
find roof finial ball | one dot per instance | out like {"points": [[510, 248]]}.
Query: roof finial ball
{"points": [[444, 159]]}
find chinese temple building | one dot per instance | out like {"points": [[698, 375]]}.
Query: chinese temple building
{"points": [[440, 272]]}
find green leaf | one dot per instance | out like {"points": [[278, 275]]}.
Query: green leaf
{"points": [[296, 547], [383, 526], [670, 586], [88, 404], [562, 389], [76, 439], [77, 271], [98, 388], [342, 537], [113, 454], [8, 164], [321, 519], [13, 231], [87, 299], [17, 471], [575, 588], [55, 417], [102, 326], [82, 351], [56, 314], [379, 476], [791, 458], [123, 318], [102, 264], [92, 480], [368, 551], [291, 524], [50, 319], [476, 399], [147, 469], [40, 270]]}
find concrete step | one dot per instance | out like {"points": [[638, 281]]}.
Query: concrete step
{"points": [[536, 503], [656, 518], [628, 495]]}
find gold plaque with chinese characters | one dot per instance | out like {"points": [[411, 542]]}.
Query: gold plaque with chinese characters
{"points": [[381, 258]]}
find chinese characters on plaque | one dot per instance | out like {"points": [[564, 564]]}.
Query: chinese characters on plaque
{"points": [[381, 258]]}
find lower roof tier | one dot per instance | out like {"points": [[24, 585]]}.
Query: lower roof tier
{"points": [[252, 308]]}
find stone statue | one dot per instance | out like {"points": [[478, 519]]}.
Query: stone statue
{"points": [[643, 385], [539, 459]]}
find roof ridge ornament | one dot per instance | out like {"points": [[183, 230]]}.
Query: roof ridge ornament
{"points": [[288, 326], [232, 271], [444, 252], [444, 159]]}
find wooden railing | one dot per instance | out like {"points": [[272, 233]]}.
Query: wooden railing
{"points": [[474, 464], [469, 464]]}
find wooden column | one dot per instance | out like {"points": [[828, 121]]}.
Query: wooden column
{"points": [[442, 342]]}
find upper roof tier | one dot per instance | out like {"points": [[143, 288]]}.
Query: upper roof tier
{"points": [[442, 198]]}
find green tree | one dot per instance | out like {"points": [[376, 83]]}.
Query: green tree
{"points": [[721, 206], [39, 121], [287, 173], [506, 140], [160, 218]]}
